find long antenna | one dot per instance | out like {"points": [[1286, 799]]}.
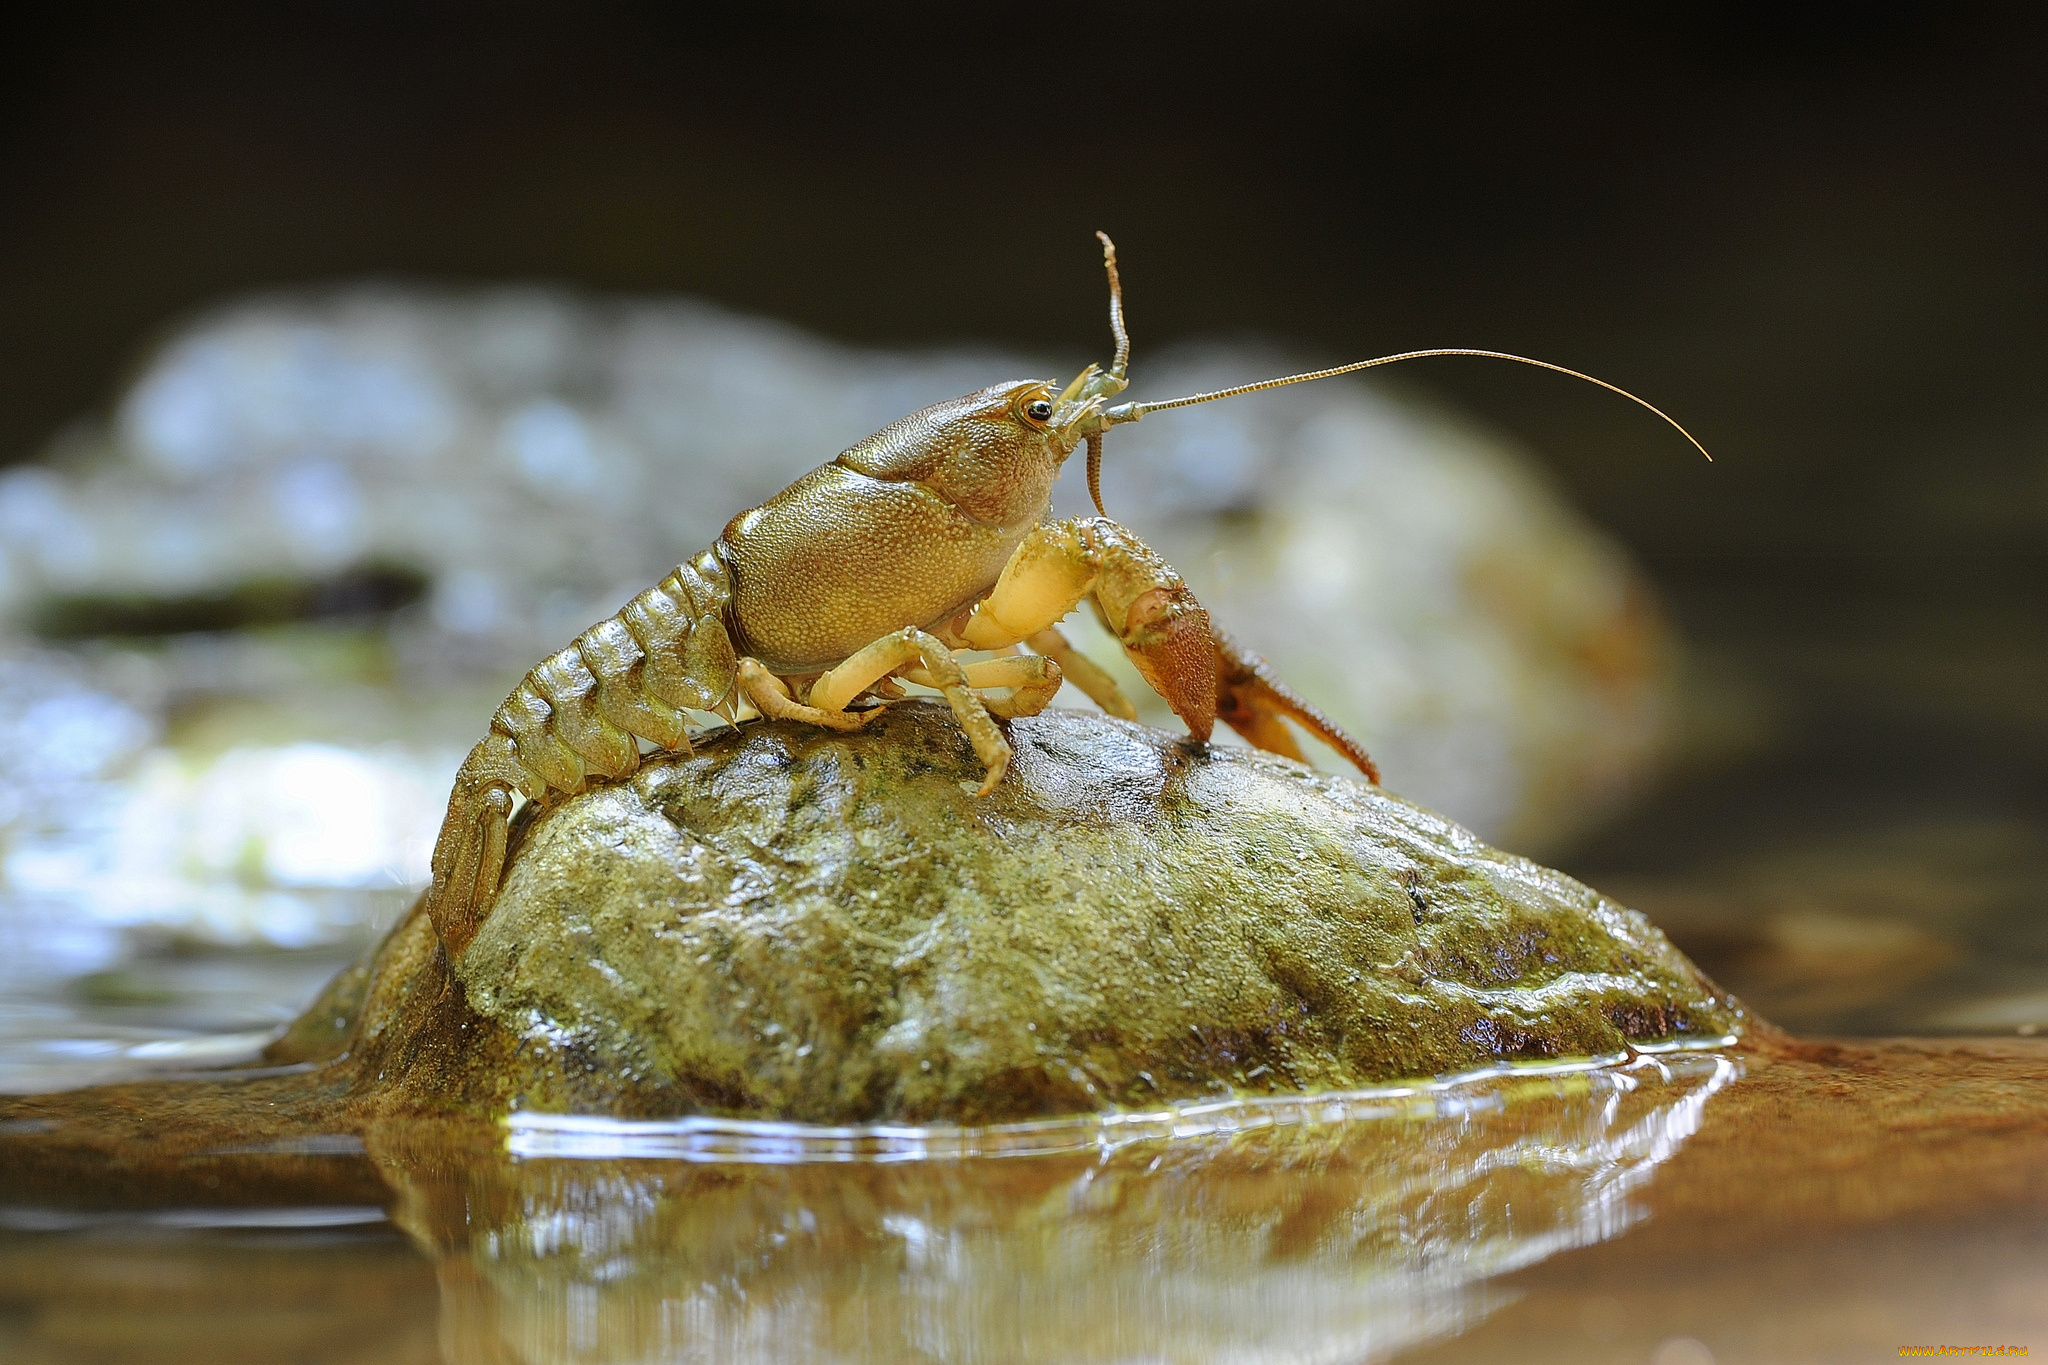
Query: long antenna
{"points": [[1130, 412], [1117, 367]]}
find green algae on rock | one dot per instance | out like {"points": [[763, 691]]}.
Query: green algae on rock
{"points": [[807, 925]]}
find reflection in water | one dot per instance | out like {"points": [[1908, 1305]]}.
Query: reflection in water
{"points": [[1278, 1241]]}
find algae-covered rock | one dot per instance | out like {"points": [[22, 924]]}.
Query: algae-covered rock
{"points": [[803, 924]]}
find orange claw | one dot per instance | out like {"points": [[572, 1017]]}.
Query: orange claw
{"points": [[1166, 633], [1251, 699]]}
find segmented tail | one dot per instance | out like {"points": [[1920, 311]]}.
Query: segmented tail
{"points": [[578, 716]]}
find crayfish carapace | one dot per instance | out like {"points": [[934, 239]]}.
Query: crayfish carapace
{"points": [[931, 537]]}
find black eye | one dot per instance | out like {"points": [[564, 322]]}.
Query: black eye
{"points": [[1039, 410]]}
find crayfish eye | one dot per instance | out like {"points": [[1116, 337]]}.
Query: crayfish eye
{"points": [[1038, 410]]}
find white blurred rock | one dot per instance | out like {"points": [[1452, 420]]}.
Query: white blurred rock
{"points": [[107, 827]]}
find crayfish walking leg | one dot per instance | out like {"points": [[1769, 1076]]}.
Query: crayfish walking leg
{"points": [[1035, 680]]}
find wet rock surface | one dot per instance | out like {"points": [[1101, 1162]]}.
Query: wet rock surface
{"points": [[253, 615], [798, 924]]}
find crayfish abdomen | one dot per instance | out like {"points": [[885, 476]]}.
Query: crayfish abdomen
{"points": [[579, 714]]}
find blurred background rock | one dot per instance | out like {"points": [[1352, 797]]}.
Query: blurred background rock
{"points": [[352, 358]]}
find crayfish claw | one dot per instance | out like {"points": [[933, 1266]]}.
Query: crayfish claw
{"points": [[1251, 699], [1166, 634]]}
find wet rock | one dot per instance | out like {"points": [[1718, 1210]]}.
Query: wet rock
{"points": [[806, 925], [255, 617]]}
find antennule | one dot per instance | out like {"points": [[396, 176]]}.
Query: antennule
{"points": [[1122, 362], [1117, 367], [1131, 412]]}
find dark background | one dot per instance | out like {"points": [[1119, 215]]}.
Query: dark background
{"points": [[1819, 238]]}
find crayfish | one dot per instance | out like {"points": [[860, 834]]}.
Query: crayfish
{"points": [[930, 538]]}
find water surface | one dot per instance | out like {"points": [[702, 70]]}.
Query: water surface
{"points": [[1781, 1202]]}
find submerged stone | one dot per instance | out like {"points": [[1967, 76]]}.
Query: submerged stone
{"points": [[801, 924]]}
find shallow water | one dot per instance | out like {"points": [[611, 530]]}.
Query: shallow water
{"points": [[1778, 1202]]}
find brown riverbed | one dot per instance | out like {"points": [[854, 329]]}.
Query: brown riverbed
{"points": [[1786, 1201]]}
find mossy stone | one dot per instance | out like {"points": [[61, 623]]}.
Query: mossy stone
{"points": [[803, 924]]}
